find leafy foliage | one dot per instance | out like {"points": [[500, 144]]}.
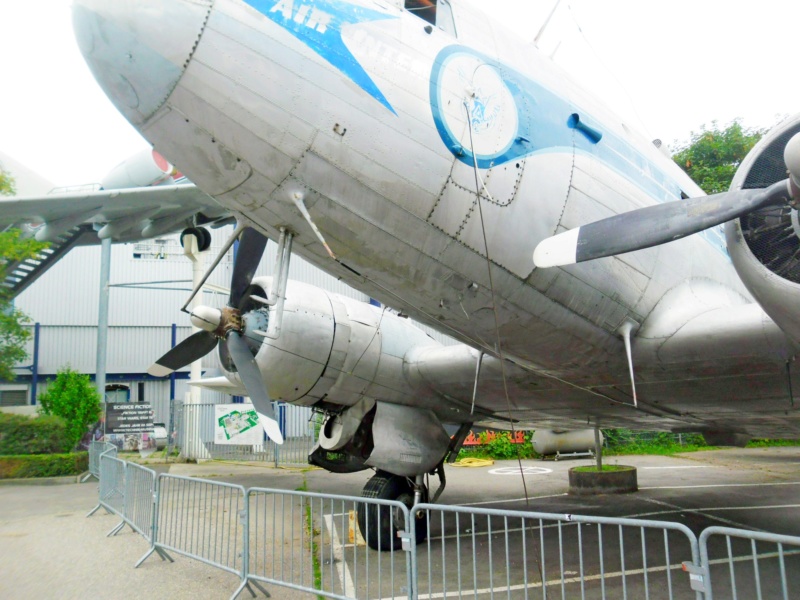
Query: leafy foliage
{"points": [[626, 441], [7, 187], [712, 156], [23, 435], [764, 443], [43, 465], [13, 334], [73, 398], [500, 447]]}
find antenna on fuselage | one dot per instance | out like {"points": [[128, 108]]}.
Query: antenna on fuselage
{"points": [[545, 24]]}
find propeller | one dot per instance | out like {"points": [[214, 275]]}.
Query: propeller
{"points": [[654, 225], [227, 325]]}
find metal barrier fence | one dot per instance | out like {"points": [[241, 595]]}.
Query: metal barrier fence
{"points": [[338, 547], [765, 568], [140, 499], [112, 487], [526, 554], [203, 520], [313, 542], [95, 450]]}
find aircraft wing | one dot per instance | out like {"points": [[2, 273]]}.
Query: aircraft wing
{"points": [[131, 214], [705, 372], [85, 217]]}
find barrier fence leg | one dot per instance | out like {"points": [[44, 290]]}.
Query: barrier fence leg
{"points": [[244, 517], [117, 528], [96, 508], [249, 585], [154, 530], [157, 550]]}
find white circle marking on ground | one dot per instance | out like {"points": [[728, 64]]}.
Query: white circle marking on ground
{"points": [[516, 471]]}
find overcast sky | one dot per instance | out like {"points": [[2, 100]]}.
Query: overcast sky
{"points": [[667, 66]]}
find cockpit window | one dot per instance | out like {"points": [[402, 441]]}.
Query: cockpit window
{"points": [[435, 12], [424, 9]]}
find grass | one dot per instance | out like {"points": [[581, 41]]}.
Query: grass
{"points": [[311, 536], [605, 469]]}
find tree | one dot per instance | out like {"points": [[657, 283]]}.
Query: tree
{"points": [[73, 398], [6, 184], [712, 155], [13, 334]]}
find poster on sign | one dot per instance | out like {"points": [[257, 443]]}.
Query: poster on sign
{"points": [[129, 417], [237, 424]]}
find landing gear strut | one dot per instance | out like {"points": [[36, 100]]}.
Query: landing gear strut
{"points": [[379, 524]]}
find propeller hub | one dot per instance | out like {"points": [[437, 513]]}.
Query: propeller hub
{"points": [[216, 321], [206, 318]]}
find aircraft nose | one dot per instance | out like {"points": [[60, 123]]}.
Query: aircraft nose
{"points": [[137, 50]]}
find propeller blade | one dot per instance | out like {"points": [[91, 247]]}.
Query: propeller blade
{"points": [[653, 225], [194, 347], [251, 249], [251, 378]]}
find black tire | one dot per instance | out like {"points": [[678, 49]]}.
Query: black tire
{"points": [[202, 234], [379, 524]]}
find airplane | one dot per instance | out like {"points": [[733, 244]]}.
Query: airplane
{"points": [[421, 153]]}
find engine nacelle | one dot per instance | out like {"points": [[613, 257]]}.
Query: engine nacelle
{"points": [[143, 169], [330, 348], [765, 245], [403, 440]]}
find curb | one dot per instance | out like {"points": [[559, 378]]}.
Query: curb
{"points": [[587, 483], [66, 480]]}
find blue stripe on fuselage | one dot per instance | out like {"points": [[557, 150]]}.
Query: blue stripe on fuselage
{"points": [[543, 126], [318, 24]]}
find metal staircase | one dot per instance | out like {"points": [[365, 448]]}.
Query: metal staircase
{"points": [[21, 274]]}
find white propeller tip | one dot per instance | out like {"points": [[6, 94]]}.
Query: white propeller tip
{"points": [[158, 370], [271, 427], [556, 251], [274, 433]]}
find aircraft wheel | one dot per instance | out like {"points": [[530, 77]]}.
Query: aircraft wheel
{"points": [[202, 234], [379, 524]]}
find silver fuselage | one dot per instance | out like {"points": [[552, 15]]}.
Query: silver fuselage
{"points": [[369, 127]]}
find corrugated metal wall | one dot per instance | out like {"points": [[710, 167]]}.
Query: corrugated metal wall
{"points": [[130, 349]]}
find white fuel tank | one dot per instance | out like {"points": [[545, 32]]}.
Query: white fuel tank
{"points": [[547, 441]]}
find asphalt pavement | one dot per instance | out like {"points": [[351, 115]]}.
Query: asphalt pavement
{"points": [[50, 549]]}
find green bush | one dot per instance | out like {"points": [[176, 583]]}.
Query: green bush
{"points": [[499, 448], [626, 441], [23, 435], [73, 398], [43, 465], [765, 443]]}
